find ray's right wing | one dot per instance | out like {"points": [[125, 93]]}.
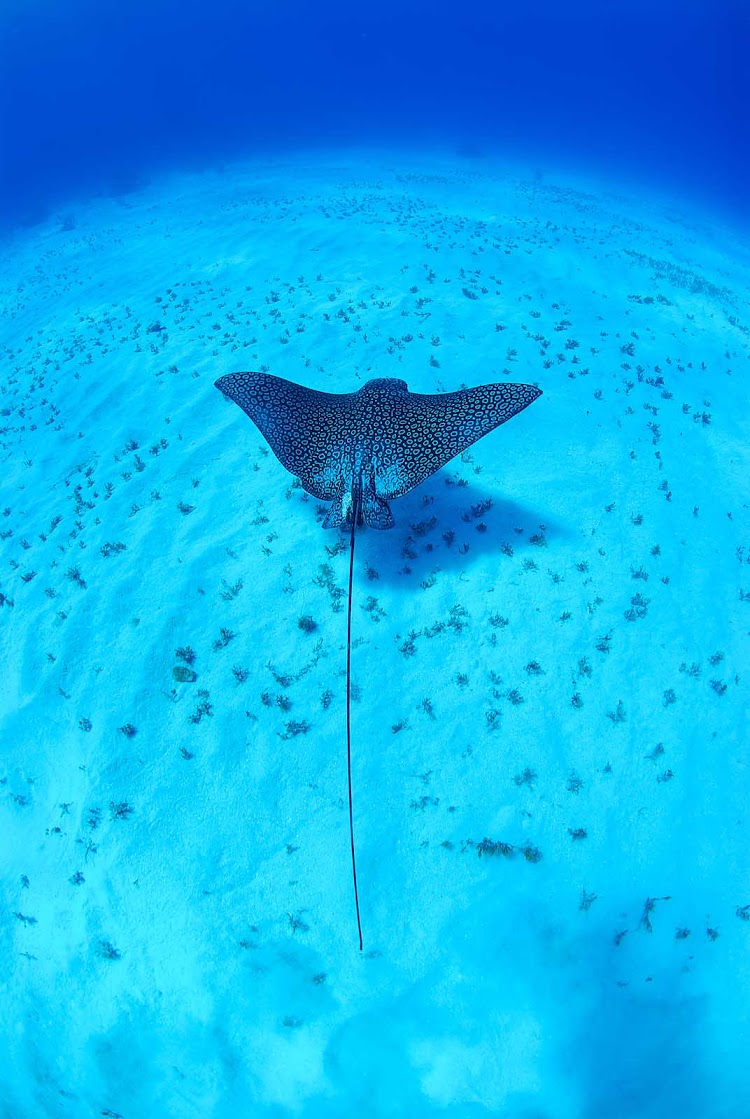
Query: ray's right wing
{"points": [[428, 431]]}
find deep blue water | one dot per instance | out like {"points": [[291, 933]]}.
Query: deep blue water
{"points": [[97, 96]]}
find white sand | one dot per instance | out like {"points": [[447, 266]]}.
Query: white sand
{"points": [[184, 941]]}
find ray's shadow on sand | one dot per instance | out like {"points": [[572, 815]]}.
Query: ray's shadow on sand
{"points": [[443, 526]]}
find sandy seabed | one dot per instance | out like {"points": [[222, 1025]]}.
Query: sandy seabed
{"points": [[550, 651]]}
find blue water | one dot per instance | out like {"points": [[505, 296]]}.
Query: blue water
{"points": [[177, 922], [98, 97]]}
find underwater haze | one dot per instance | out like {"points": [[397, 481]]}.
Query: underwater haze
{"points": [[97, 97], [535, 214]]}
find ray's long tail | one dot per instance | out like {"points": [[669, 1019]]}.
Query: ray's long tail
{"points": [[355, 515]]}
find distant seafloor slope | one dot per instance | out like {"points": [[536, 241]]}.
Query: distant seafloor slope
{"points": [[100, 97], [550, 658]]}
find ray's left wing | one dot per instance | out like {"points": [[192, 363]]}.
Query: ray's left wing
{"points": [[304, 428]]}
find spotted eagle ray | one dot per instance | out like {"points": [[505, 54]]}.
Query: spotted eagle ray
{"points": [[361, 449]]}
